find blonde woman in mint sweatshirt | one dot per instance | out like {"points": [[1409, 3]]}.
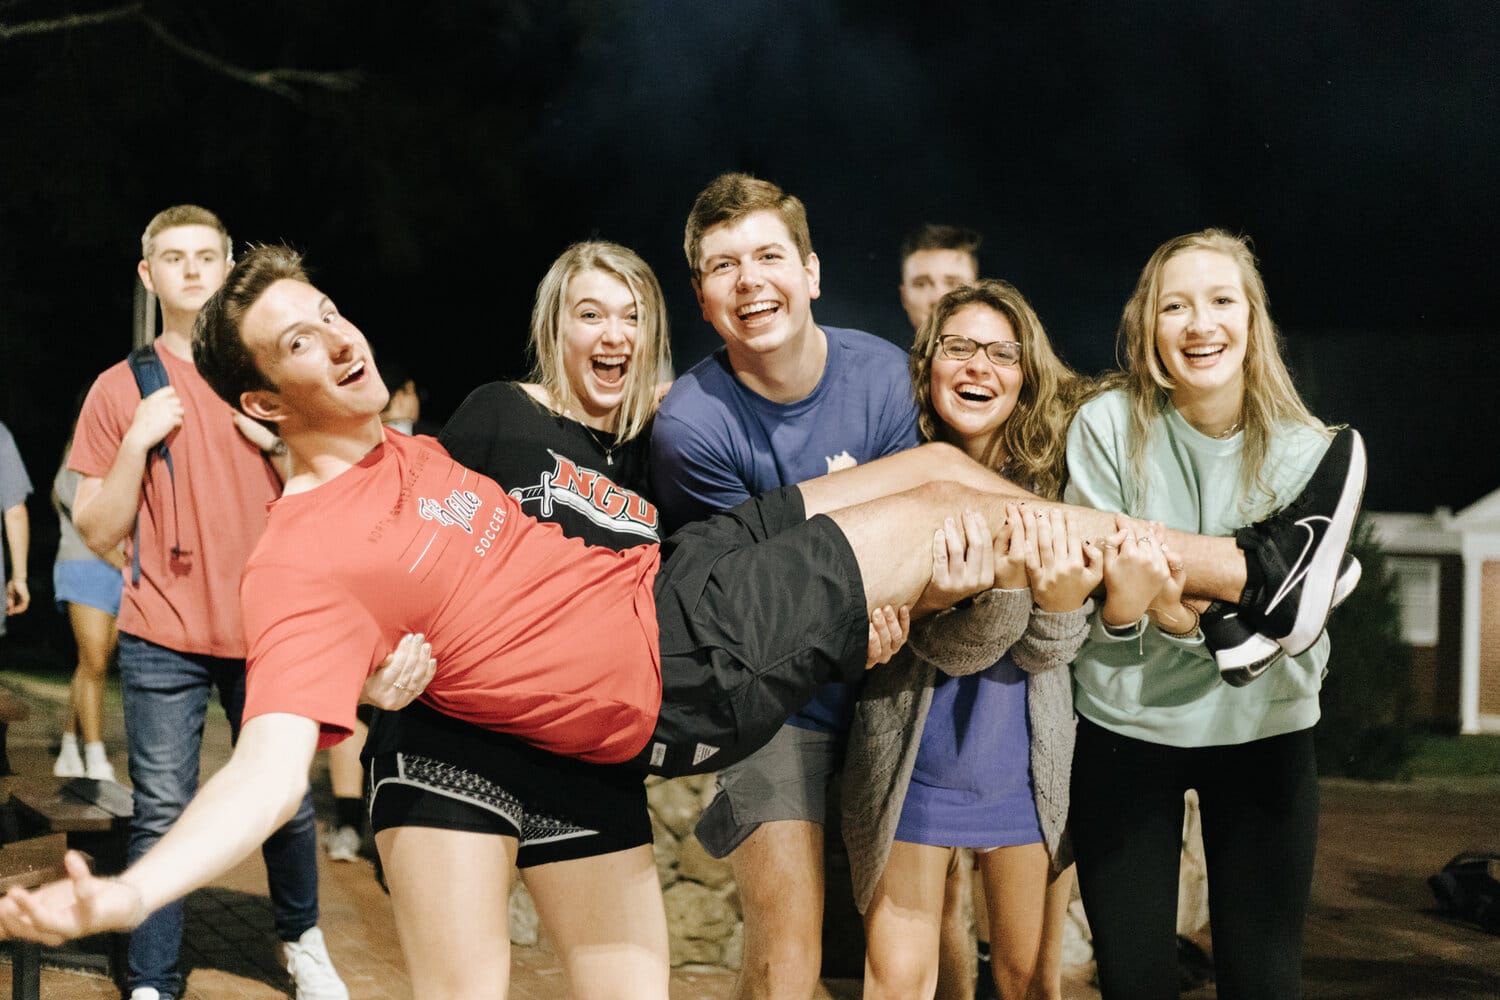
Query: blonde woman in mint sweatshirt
{"points": [[1204, 432]]}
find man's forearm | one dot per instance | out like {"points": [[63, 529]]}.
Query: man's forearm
{"points": [[233, 814], [18, 538], [104, 510]]}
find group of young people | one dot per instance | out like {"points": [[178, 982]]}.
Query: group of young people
{"points": [[817, 549]]}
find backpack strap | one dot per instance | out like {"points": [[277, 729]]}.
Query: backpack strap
{"points": [[150, 375]]}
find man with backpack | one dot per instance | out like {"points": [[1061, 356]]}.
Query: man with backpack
{"points": [[170, 466]]}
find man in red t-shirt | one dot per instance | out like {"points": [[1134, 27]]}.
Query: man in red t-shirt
{"points": [[192, 526], [731, 624]]}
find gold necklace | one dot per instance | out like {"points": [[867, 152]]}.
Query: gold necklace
{"points": [[1229, 431]]}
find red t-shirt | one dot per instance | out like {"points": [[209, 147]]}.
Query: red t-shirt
{"points": [[189, 602], [518, 614]]}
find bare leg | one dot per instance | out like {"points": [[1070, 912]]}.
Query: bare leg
{"points": [[981, 906], [956, 945], [450, 892], [1215, 566], [1026, 913], [606, 919], [779, 872], [96, 637], [903, 923], [345, 774]]}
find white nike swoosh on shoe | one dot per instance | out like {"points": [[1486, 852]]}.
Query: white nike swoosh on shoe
{"points": [[1301, 566]]}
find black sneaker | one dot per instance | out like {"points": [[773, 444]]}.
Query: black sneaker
{"points": [[1300, 549], [1242, 654]]}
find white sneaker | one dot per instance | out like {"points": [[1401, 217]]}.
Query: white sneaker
{"points": [[70, 764], [342, 844], [312, 970], [144, 993], [96, 763]]}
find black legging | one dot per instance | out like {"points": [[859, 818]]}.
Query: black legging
{"points": [[1259, 804]]}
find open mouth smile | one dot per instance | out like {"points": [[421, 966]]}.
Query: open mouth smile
{"points": [[1205, 353], [354, 374], [609, 369], [756, 310]]}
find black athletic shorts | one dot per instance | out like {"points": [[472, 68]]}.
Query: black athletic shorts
{"points": [[424, 768], [757, 609]]}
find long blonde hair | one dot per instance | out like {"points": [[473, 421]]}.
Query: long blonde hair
{"points": [[1031, 445], [1270, 397], [651, 359]]}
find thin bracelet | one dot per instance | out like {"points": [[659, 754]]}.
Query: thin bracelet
{"points": [[1186, 633]]}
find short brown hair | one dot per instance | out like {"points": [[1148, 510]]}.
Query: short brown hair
{"points": [[219, 348], [182, 215], [731, 197], [935, 236]]}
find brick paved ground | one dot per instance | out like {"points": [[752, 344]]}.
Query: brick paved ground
{"points": [[1372, 933]]}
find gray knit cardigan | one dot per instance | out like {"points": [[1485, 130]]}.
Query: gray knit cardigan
{"points": [[892, 710]]}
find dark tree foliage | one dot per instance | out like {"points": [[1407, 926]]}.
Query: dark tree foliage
{"points": [[1366, 730]]}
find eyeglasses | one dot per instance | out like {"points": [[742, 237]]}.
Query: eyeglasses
{"points": [[1005, 353]]}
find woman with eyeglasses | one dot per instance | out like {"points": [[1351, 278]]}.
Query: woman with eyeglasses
{"points": [[965, 739]]}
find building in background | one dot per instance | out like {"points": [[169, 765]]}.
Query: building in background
{"points": [[1447, 569]]}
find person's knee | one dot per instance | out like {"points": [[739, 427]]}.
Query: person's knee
{"points": [[783, 953], [1021, 977], [901, 972], [780, 967]]}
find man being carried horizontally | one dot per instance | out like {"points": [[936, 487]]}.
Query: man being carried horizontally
{"points": [[379, 535]]}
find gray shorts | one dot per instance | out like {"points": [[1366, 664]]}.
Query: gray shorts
{"points": [[787, 779]]}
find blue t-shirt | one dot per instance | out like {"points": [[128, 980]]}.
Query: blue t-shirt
{"points": [[716, 444]]}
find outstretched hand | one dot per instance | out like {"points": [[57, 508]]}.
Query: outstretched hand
{"points": [[76, 906], [402, 676], [889, 628]]}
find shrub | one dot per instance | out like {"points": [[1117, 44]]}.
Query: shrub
{"points": [[1366, 730]]}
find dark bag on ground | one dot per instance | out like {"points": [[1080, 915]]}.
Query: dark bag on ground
{"points": [[1468, 888]]}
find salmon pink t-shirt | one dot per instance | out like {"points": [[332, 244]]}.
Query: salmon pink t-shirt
{"points": [[535, 634], [212, 515]]}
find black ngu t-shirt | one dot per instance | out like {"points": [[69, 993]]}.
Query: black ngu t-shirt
{"points": [[558, 469]]}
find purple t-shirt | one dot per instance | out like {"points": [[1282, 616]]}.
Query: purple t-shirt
{"points": [[971, 786], [716, 444]]}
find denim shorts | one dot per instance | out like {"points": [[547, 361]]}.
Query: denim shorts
{"points": [[91, 582]]}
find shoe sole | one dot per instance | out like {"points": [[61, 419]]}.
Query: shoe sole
{"points": [[1255, 649], [1240, 676], [1321, 580]]}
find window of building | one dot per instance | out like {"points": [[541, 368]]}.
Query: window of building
{"points": [[1417, 587]]}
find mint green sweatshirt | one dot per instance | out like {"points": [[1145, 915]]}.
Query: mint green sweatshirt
{"points": [[1149, 686]]}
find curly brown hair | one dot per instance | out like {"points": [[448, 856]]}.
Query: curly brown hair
{"points": [[1031, 445]]}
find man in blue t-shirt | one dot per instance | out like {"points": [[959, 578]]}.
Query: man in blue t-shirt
{"points": [[784, 400]]}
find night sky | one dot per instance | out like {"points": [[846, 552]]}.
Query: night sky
{"points": [[1355, 143]]}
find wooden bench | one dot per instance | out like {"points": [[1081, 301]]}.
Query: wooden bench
{"points": [[88, 816], [28, 864], [94, 815]]}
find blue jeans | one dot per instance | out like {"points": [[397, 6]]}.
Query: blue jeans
{"points": [[166, 697]]}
